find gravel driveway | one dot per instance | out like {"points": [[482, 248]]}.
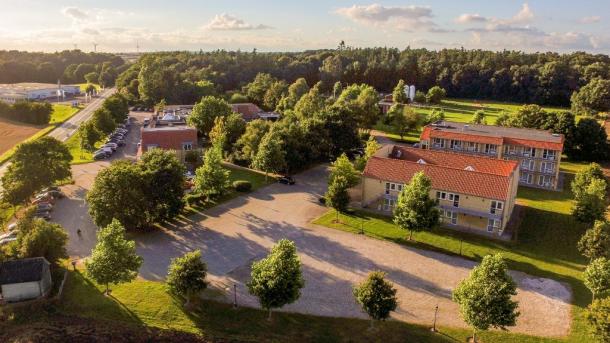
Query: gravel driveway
{"points": [[242, 230]]}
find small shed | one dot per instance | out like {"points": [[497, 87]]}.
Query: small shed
{"points": [[25, 279]]}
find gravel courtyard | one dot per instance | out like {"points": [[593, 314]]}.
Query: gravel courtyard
{"points": [[242, 230]]}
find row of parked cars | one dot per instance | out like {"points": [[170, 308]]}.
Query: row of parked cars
{"points": [[43, 203], [114, 141]]}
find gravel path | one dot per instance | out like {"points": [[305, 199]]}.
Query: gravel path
{"points": [[242, 230]]}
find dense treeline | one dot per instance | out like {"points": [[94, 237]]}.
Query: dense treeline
{"points": [[69, 66], [36, 113], [541, 78]]}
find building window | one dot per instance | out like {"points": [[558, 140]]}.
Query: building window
{"points": [[186, 146], [547, 167], [548, 154], [455, 198], [441, 195], [439, 143], [496, 206], [492, 224], [394, 187], [151, 146], [527, 164], [456, 145], [452, 217], [544, 181], [388, 204], [490, 149], [471, 146], [510, 150], [528, 152]]}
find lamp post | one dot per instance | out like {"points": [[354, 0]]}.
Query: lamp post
{"points": [[433, 329], [234, 295], [361, 226], [74, 265]]}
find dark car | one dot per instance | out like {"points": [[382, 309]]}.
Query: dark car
{"points": [[287, 180], [100, 156]]}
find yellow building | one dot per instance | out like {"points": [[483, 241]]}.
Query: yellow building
{"points": [[473, 193], [537, 151]]}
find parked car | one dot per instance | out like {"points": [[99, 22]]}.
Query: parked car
{"points": [[51, 188], [43, 215], [105, 150], [111, 145], [43, 199], [116, 141], [9, 234], [7, 240], [44, 207], [287, 180], [52, 194], [100, 156]]}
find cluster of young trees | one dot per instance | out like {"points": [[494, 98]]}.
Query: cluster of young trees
{"points": [[69, 66], [29, 112], [138, 194], [113, 112], [37, 238], [541, 78]]}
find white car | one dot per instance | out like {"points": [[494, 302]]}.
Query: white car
{"points": [[10, 234]]}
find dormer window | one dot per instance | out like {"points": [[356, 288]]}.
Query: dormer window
{"points": [[421, 161], [469, 168]]}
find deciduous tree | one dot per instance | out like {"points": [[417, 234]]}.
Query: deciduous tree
{"points": [[595, 243], [398, 94], [114, 258], [485, 296], [337, 195], [598, 317], [212, 179], [204, 112], [343, 167], [186, 275], [377, 296], [35, 165], [277, 279], [597, 276], [270, 156], [415, 210]]}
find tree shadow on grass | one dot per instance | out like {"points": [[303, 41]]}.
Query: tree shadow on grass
{"points": [[83, 298]]}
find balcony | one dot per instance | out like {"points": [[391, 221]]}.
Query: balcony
{"points": [[473, 212]]}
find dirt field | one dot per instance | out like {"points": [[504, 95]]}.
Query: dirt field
{"points": [[13, 133]]}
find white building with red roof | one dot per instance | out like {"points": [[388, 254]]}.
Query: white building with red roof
{"points": [[473, 192], [538, 152]]}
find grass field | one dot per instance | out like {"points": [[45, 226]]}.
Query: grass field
{"points": [[80, 156], [461, 110], [61, 113], [546, 244], [83, 86], [151, 304], [256, 178]]}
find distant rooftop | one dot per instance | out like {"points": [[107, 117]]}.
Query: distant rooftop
{"points": [[494, 134], [168, 128], [25, 86]]}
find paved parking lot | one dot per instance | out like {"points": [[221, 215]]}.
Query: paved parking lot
{"points": [[242, 230]]}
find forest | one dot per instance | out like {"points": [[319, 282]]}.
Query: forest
{"points": [[541, 78], [69, 66]]}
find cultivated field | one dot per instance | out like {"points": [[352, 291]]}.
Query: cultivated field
{"points": [[13, 133]]}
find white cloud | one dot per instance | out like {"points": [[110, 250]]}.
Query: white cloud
{"points": [[226, 22], [590, 20], [525, 15], [467, 18], [75, 13], [405, 18]]}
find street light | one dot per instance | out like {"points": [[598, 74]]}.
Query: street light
{"points": [[234, 295], [433, 329]]}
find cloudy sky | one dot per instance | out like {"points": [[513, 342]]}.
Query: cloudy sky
{"points": [[269, 25]]}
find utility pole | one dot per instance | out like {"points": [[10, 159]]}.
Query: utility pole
{"points": [[433, 329], [95, 47]]}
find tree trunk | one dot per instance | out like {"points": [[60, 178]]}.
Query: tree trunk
{"points": [[337, 216], [474, 336], [269, 317], [410, 235], [107, 289]]}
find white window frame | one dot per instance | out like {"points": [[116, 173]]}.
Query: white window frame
{"points": [[542, 181], [548, 154], [545, 169], [496, 206], [440, 195], [491, 149], [527, 164], [439, 141], [456, 144], [528, 151], [187, 146], [392, 187], [388, 204], [450, 217], [492, 224], [471, 146]]}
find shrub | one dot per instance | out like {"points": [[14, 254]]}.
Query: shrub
{"points": [[242, 186], [193, 198]]}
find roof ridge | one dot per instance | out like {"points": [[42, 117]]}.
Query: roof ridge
{"points": [[440, 166]]}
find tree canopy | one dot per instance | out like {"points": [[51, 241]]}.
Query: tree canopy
{"points": [[415, 210], [377, 296], [186, 274]]}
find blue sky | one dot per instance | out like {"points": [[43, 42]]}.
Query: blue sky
{"points": [[292, 26]]}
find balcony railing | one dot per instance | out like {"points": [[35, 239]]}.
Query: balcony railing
{"points": [[472, 212]]}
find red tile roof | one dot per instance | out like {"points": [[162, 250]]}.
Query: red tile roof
{"points": [[455, 160], [170, 138], [489, 134], [484, 185], [248, 111]]}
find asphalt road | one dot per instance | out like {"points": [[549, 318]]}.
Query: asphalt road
{"points": [[69, 127]]}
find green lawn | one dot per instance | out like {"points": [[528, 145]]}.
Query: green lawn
{"points": [[149, 303], [546, 244], [256, 178], [461, 110], [83, 86], [80, 156], [61, 113]]}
